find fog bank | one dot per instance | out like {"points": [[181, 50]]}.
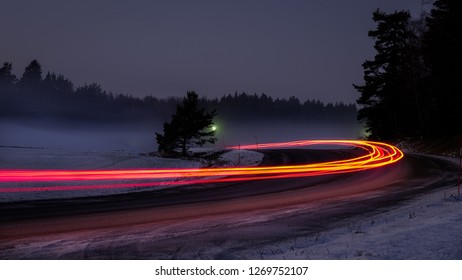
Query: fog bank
{"points": [[141, 138]]}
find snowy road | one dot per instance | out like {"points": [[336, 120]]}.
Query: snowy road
{"points": [[214, 221]]}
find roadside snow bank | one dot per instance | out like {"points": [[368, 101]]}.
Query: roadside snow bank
{"points": [[424, 228], [242, 158], [40, 158]]}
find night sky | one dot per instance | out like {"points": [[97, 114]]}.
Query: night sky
{"points": [[307, 49]]}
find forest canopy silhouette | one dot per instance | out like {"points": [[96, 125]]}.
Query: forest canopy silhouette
{"points": [[54, 97], [412, 87]]}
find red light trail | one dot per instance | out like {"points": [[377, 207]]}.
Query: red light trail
{"points": [[373, 155]]}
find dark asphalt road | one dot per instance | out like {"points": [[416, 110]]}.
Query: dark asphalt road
{"points": [[180, 195]]}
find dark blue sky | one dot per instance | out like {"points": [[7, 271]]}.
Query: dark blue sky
{"points": [[307, 49]]}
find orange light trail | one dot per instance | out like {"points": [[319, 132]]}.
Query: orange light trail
{"points": [[373, 155]]}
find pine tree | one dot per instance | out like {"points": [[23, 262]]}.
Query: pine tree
{"points": [[389, 106], [32, 77], [58, 83], [442, 53], [7, 88], [189, 125], [7, 78]]}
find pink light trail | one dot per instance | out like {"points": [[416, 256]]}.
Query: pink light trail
{"points": [[375, 154]]}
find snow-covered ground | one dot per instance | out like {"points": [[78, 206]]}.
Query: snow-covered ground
{"points": [[427, 227], [241, 158], [58, 159]]}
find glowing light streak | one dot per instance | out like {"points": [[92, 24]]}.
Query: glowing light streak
{"points": [[372, 155]]}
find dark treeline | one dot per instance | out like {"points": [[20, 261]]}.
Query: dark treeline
{"points": [[412, 88], [55, 97]]}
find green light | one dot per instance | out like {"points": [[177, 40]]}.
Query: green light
{"points": [[214, 128]]}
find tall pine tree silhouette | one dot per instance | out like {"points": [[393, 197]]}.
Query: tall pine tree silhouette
{"points": [[388, 100], [442, 53], [32, 77]]}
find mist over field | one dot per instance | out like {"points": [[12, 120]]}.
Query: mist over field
{"points": [[87, 136], [275, 131], [81, 136]]}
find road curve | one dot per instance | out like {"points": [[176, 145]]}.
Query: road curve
{"points": [[369, 155], [340, 195]]}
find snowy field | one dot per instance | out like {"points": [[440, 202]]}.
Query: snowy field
{"points": [[41, 158], [427, 227]]}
